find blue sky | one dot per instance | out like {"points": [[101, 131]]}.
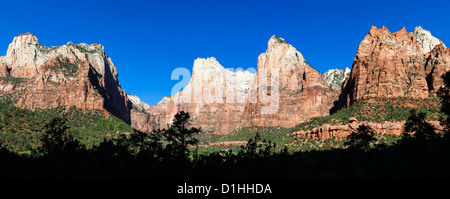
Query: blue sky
{"points": [[148, 39]]}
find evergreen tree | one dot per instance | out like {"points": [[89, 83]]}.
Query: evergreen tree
{"points": [[444, 95], [416, 124], [361, 139], [179, 137]]}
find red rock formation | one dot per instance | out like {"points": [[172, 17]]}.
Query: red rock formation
{"points": [[386, 65], [298, 93], [437, 62], [152, 118], [70, 75]]}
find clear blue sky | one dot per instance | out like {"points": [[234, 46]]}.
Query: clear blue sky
{"points": [[148, 39]]}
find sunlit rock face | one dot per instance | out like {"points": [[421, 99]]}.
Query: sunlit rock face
{"points": [[386, 65], [286, 89], [215, 97], [426, 40], [78, 75]]}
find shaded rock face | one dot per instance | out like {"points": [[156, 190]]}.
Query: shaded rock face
{"points": [[386, 65], [298, 93], [437, 62], [215, 97], [78, 75]]}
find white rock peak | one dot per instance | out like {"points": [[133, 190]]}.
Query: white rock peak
{"points": [[25, 55], [138, 103], [426, 40], [210, 68], [335, 77]]}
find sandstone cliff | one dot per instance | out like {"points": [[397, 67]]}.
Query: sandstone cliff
{"points": [[386, 65], [286, 90], [78, 75], [215, 97], [398, 64], [437, 62], [147, 118]]}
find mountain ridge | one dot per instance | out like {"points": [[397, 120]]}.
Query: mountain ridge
{"points": [[387, 64]]}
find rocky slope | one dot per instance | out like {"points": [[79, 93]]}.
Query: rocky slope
{"points": [[286, 90], [78, 75], [437, 62], [398, 64]]}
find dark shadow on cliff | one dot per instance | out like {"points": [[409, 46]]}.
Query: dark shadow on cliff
{"points": [[345, 97], [115, 103]]}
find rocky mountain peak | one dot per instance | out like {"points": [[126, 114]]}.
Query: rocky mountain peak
{"points": [[78, 75], [275, 40], [386, 65], [25, 38], [138, 103], [206, 64], [426, 40]]}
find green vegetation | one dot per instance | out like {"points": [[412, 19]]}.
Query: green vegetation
{"points": [[280, 40], [68, 68], [21, 129], [362, 139], [13, 80], [142, 155], [83, 49], [378, 110]]}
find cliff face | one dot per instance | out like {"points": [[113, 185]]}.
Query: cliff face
{"points": [[286, 90], [437, 62], [335, 77], [398, 64], [147, 118], [386, 65], [78, 75], [426, 40], [215, 97]]}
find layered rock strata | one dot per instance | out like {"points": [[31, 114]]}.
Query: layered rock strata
{"points": [[286, 90], [386, 65]]}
